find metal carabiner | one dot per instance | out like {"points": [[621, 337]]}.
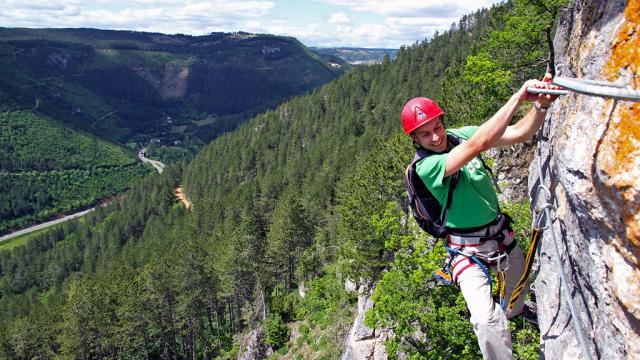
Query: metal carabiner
{"points": [[498, 260]]}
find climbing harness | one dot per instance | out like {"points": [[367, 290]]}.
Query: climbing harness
{"points": [[445, 275], [544, 212], [616, 90], [458, 247]]}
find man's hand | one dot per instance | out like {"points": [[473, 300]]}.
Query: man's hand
{"points": [[544, 100], [524, 129]]}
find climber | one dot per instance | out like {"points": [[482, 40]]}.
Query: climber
{"points": [[478, 235]]}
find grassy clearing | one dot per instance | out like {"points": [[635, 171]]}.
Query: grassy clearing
{"points": [[180, 129], [206, 121], [20, 240], [23, 239]]}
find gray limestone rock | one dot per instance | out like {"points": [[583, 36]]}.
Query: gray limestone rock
{"points": [[510, 168], [589, 152], [364, 343], [252, 346]]}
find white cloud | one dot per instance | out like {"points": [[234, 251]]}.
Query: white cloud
{"points": [[421, 22], [40, 4], [302, 32], [138, 2], [403, 21], [369, 35], [339, 18], [253, 25], [412, 8], [388, 23], [191, 17]]}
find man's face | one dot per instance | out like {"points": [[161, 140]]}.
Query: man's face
{"points": [[432, 135]]}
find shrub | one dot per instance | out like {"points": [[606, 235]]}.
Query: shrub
{"points": [[284, 303], [276, 331]]}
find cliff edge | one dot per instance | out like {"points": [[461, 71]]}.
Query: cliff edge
{"points": [[589, 150]]}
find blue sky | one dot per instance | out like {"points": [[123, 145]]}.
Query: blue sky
{"points": [[360, 23]]}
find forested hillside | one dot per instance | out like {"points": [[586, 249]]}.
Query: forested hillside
{"points": [[302, 197], [47, 168], [134, 86]]}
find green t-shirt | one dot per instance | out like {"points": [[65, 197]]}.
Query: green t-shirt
{"points": [[474, 201]]}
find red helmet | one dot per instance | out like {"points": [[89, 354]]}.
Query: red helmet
{"points": [[417, 112]]}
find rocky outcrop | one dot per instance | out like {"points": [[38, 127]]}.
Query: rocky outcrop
{"points": [[590, 159], [59, 61], [364, 343], [172, 83], [253, 347], [510, 169]]}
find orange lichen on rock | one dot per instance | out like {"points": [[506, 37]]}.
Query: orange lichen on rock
{"points": [[623, 136], [627, 155], [619, 158], [625, 51]]}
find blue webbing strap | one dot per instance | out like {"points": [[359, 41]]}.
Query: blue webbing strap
{"points": [[482, 266]]}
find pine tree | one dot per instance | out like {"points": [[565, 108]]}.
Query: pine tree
{"points": [[289, 235]]}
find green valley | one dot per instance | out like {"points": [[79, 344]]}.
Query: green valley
{"points": [[76, 104], [356, 56]]}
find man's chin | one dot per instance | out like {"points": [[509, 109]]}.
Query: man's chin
{"points": [[440, 147]]}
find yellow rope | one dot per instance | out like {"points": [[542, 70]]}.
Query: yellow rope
{"points": [[535, 239]]}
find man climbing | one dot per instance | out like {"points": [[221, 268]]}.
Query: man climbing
{"points": [[478, 235]]}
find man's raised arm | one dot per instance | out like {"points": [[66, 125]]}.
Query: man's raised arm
{"points": [[497, 132]]}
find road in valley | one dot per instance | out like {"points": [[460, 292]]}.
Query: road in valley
{"points": [[44, 225], [156, 164]]}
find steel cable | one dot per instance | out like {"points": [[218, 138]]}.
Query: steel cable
{"points": [[605, 89], [546, 206], [600, 88]]}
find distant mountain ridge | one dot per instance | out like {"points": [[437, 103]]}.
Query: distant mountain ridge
{"points": [[356, 55], [125, 85]]}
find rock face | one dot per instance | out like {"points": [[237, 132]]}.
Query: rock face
{"points": [[172, 84], [510, 168], [364, 343], [253, 347], [590, 158]]}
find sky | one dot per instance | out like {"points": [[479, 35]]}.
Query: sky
{"points": [[321, 23]]}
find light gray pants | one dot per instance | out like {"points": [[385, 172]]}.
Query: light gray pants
{"points": [[488, 319]]}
